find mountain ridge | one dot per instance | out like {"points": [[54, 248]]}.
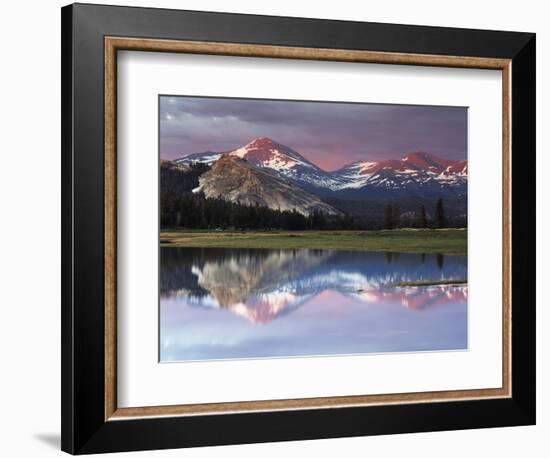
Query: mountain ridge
{"points": [[419, 172]]}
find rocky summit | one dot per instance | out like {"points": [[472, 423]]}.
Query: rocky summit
{"points": [[235, 179]]}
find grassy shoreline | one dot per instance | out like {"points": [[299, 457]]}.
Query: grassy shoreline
{"points": [[444, 241]]}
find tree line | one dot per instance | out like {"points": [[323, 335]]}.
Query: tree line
{"points": [[195, 211], [394, 219]]}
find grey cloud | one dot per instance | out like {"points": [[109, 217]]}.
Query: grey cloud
{"points": [[325, 132]]}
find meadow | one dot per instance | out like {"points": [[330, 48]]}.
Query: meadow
{"points": [[444, 241]]}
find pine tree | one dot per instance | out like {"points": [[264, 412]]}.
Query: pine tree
{"points": [[440, 220], [388, 217], [396, 216], [423, 217], [347, 221], [203, 223]]}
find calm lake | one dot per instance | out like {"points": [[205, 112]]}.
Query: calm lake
{"points": [[218, 303]]}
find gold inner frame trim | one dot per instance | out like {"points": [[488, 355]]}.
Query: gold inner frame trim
{"points": [[114, 44]]}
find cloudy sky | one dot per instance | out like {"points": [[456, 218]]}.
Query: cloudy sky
{"points": [[328, 134]]}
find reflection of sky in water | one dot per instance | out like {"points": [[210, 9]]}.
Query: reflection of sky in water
{"points": [[229, 303]]}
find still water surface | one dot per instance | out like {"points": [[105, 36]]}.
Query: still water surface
{"points": [[218, 303]]}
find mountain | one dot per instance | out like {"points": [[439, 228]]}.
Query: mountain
{"points": [[265, 153], [417, 174], [236, 179], [180, 178]]}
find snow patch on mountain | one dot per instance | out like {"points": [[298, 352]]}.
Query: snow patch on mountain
{"points": [[419, 170]]}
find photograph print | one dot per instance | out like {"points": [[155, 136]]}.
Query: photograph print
{"points": [[296, 228]]}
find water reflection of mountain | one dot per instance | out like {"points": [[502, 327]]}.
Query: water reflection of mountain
{"points": [[416, 298], [264, 284], [230, 275]]}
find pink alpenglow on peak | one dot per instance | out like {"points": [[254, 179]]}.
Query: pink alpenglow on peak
{"points": [[264, 152], [420, 170]]}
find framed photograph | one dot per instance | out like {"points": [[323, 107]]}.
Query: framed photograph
{"points": [[281, 228]]}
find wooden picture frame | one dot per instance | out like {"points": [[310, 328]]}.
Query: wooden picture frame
{"points": [[91, 37]]}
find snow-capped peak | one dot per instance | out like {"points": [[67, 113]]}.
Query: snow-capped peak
{"points": [[262, 142], [264, 152], [414, 170]]}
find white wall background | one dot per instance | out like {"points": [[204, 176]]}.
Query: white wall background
{"points": [[30, 227]]}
